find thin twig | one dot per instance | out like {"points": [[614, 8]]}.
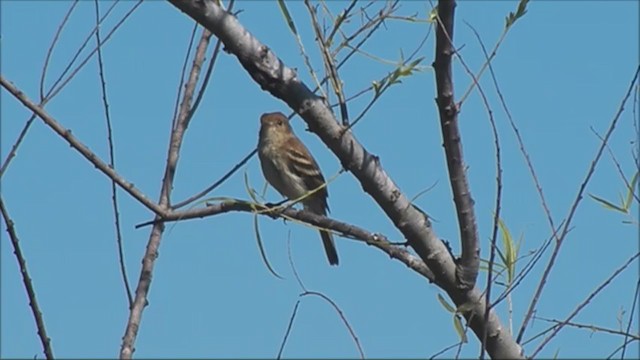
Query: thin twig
{"points": [[527, 268], [209, 72], [56, 36], [574, 207], [28, 285], [292, 264], [303, 51], [445, 350], [342, 317], [55, 89], [288, 331], [524, 152], [617, 165], [112, 160], [496, 212], [49, 95], [579, 308], [183, 71], [344, 15], [633, 310], [219, 182], [329, 65], [621, 347], [593, 328]]}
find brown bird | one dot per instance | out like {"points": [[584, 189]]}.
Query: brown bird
{"points": [[289, 167]]}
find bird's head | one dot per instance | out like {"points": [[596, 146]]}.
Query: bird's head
{"points": [[274, 127]]}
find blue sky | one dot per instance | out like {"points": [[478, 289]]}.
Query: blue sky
{"points": [[563, 69]]}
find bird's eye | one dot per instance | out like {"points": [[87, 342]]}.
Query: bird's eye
{"points": [[279, 122]]}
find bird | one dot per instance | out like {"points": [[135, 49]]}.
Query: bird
{"points": [[289, 167]]}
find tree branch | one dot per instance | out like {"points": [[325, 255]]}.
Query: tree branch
{"points": [[282, 82], [173, 154], [28, 285], [467, 268], [80, 147], [347, 230]]}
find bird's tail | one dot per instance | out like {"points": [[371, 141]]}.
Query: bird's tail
{"points": [[329, 247], [320, 207]]}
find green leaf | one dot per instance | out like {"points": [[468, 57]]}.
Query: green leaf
{"points": [[287, 16], [630, 190], [433, 15], [250, 190], [446, 304], [510, 253], [457, 324], [607, 204], [497, 268], [520, 11], [263, 254]]}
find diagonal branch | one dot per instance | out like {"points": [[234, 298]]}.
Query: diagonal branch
{"points": [[282, 82], [574, 207], [80, 147], [28, 285]]}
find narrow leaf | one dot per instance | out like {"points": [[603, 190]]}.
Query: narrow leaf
{"points": [[433, 15], [607, 204], [630, 190], [252, 193], [263, 254], [509, 250], [445, 304], [457, 324], [520, 11], [287, 16]]}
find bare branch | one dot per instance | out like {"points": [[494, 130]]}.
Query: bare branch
{"points": [[288, 331], [56, 36], [323, 222], [55, 90], [634, 304], [342, 317], [467, 268], [112, 159], [329, 64], [574, 207], [80, 147], [591, 327], [28, 285], [582, 305], [151, 254]]}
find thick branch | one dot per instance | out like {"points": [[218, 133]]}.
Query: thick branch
{"points": [[273, 76], [467, 268]]}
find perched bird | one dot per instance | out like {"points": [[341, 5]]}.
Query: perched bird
{"points": [[289, 167]]}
